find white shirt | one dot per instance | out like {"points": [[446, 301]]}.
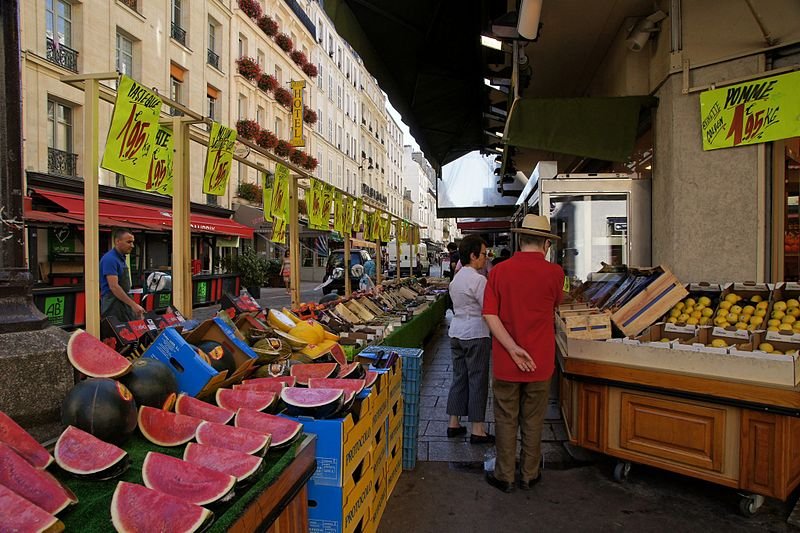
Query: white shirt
{"points": [[466, 291]]}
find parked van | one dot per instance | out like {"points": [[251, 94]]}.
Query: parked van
{"points": [[407, 261]]}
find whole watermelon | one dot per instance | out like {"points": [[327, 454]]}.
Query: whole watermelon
{"points": [[150, 381], [219, 356], [100, 406]]}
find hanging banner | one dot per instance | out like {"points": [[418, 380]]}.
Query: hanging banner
{"points": [[134, 126], [159, 173], [338, 212], [219, 156], [266, 191], [348, 215], [367, 226], [376, 226], [327, 201], [279, 230], [358, 214], [297, 114], [386, 229], [398, 229], [280, 193], [754, 112]]}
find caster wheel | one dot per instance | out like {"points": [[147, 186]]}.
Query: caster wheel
{"points": [[750, 504], [621, 471]]}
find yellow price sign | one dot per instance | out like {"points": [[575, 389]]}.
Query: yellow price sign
{"points": [[218, 159]]}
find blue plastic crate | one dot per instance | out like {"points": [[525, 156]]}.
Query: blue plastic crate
{"points": [[409, 458], [410, 419]]}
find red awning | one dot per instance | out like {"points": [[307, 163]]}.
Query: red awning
{"points": [[137, 216], [46, 216], [484, 225]]}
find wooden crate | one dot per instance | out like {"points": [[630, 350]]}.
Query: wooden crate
{"points": [[650, 304], [585, 323]]}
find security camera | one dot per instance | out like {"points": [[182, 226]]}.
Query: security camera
{"points": [[641, 31]]}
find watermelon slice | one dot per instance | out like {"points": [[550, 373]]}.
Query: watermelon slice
{"points": [[165, 428], [370, 378], [249, 399], [190, 406], [312, 370], [349, 385], [233, 438], [94, 358], [136, 508], [83, 454], [191, 483], [282, 430], [352, 370], [275, 387], [337, 353], [36, 486], [290, 381], [316, 403], [12, 434], [237, 464], [18, 514]]}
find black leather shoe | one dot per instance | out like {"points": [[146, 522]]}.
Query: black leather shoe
{"points": [[455, 432], [503, 486], [481, 439], [528, 485]]}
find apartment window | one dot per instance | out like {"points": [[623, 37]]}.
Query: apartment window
{"points": [[260, 58], [347, 143], [212, 107], [260, 116], [279, 74], [178, 33], [124, 54], [175, 89], [242, 106], [279, 127], [58, 21], [60, 159], [339, 96], [242, 45], [213, 52], [330, 130], [339, 138], [320, 76], [319, 122]]}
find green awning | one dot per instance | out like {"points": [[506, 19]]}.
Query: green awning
{"points": [[600, 128]]}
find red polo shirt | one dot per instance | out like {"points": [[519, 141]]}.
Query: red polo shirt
{"points": [[524, 292]]}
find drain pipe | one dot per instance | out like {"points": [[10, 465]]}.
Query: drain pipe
{"points": [[764, 32], [676, 21]]}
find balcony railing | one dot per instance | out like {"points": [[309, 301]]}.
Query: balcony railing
{"points": [[62, 55], [62, 163], [373, 194], [179, 34], [213, 59]]}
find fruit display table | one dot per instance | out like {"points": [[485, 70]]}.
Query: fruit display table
{"points": [[414, 332], [277, 499]]}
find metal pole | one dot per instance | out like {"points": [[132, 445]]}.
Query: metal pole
{"points": [[91, 180], [294, 242], [181, 229]]}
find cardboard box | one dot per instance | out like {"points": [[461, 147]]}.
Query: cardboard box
{"points": [[243, 303], [380, 446], [339, 510], [394, 467], [195, 377], [343, 444], [217, 330], [394, 437], [650, 304], [380, 401], [166, 318], [126, 336], [653, 335], [379, 500], [395, 410]]}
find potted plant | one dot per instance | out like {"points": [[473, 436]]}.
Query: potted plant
{"points": [[283, 97], [311, 70], [267, 83], [251, 8], [267, 140], [311, 163], [252, 268], [284, 149], [298, 157], [309, 115], [268, 26], [248, 67], [250, 191], [284, 42], [247, 129], [298, 57]]}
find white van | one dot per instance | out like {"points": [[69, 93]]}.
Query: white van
{"points": [[406, 260]]}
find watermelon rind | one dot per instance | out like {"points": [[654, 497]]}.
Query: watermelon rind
{"points": [[135, 508], [195, 484], [19, 514], [238, 464], [282, 430], [36, 486], [233, 400], [109, 364], [165, 428], [191, 406], [370, 378], [83, 454], [352, 370], [23, 443], [303, 372], [233, 438], [315, 403], [353, 385]]}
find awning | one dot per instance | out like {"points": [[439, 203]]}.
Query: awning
{"points": [[600, 128], [116, 213], [496, 225], [46, 216]]}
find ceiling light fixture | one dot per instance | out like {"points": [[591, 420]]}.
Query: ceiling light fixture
{"points": [[491, 42], [529, 14]]}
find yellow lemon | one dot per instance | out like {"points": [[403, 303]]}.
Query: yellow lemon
{"points": [[699, 307], [766, 347], [778, 314], [760, 312], [704, 321], [732, 298], [779, 306], [736, 309], [675, 312], [692, 321], [756, 321], [705, 300], [760, 304], [785, 327], [719, 343], [748, 309], [741, 325], [689, 309], [794, 311], [757, 298], [707, 312], [745, 317], [725, 305], [680, 305], [683, 318], [732, 318], [792, 302], [672, 320], [772, 328], [774, 322], [696, 314], [788, 319], [720, 320], [689, 302], [664, 340]]}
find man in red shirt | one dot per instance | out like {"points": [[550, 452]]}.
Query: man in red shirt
{"points": [[518, 305]]}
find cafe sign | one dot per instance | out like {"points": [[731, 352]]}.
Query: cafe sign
{"points": [[766, 109]]}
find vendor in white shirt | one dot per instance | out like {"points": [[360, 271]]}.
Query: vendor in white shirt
{"points": [[470, 345]]}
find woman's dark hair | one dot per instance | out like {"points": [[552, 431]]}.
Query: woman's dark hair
{"points": [[452, 246], [470, 245]]}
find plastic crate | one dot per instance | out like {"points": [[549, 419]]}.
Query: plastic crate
{"points": [[409, 457]]}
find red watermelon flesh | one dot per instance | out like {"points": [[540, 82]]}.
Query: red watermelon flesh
{"points": [[94, 358], [18, 514], [12, 434], [351, 370], [312, 370], [192, 483], [135, 508], [237, 464], [233, 438], [275, 387], [82, 453], [191, 406], [288, 380], [282, 430], [348, 385], [370, 378], [338, 354], [36, 486], [249, 399], [165, 428]]}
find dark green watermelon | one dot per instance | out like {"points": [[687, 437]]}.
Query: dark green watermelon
{"points": [[150, 381], [102, 407]]}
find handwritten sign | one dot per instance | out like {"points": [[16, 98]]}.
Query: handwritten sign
{"points": [[218, 159], [338, 212], [754, 112], [314, 200], [297, 113], [266, 191], [358, 213], [159, 172], [280, 193], [279, 227], [134, 126], [386, 229], [348, 215]]}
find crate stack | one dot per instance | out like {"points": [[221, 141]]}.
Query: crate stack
{"points": [[407, 403]]}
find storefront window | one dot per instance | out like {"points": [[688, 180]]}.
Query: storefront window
{"points": [[790, 162], [307, 252]]}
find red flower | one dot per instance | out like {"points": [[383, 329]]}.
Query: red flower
{"points": [[268, 26], [266, 139], [267, 83], [311, 162], [284, 42], [251, 8], [311, 70], [309, 115], [298, 57], [284, 149], [248, 67], [283, 97], [298, 157], [247, 128]]}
